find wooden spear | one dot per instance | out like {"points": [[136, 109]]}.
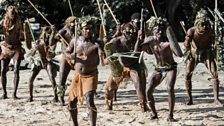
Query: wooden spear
{"points": [[101, 16], [111, 12], [153, 8], [63, 40], [69, 3]]}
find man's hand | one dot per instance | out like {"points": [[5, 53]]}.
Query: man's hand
{"points": [[53, 28], [73, 56]]}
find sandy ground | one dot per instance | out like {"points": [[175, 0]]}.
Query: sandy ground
{"points": [[43, 112]]}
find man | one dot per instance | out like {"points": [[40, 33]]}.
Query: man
{"points": [[43, 60], [11, 48], [66, 64], [87, 55], [200, 45], [158, 45], [136, 21], [116, 50]]}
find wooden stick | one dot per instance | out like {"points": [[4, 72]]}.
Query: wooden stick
{"points": [[31, 31], [69, 3], [38, 52], [153, 8], [111, 12], [75, 37], [63, 40], [182, 25], [101, 16]]}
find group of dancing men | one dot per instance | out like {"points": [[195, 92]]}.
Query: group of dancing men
{"points": [[82, 52]]}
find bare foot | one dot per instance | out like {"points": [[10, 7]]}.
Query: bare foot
{"points": [[55, 99], [144, 107], [15, 97], [190, 102], [217, 102], [4, 96], [62, 101], [109, 107], [153, 117], [30, 99], [171, 119]]}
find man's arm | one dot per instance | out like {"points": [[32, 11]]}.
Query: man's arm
{"points": [[69, 50], [188, 39], [147, 44], [101, 53]]}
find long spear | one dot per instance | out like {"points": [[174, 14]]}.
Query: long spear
{"points": [[47, 21], [31, 31], [101, 16], [111, 12], [75, 36], [153, 8], [69, 3]]}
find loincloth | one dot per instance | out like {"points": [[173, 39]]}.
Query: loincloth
{"points": [[138, 68], [201, 55], [114, 81], [12, 51], [82, 84], [166, 67]]}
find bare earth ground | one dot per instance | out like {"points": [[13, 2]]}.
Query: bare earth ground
{"points": [[43, 112]]}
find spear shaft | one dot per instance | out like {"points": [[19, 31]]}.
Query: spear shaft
{"points": [[63, 40]]}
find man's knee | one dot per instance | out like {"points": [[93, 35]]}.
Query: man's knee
{"points": [[73, 104], [90, 99], [109, 94]]}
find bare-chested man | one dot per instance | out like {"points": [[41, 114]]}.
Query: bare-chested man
{"points": [[158, 45], [200, 43], [43, 60], [66, 64], [11, 48], [121, 46], [87, 56]]}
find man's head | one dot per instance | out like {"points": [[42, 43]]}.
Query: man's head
{"points": [[202, 21], [156, 26], [70, 21], [202, 24], [135, 19], [11, 12], [86, 29], [128, 30]]}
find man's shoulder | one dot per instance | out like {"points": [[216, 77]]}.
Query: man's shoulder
{"points": [[191, 30], [116, 39]]}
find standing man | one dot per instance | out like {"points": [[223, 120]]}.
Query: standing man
{"points": [[201, 46], [43, 60], [66, 64], [11, 48], [87, 55], [158, 45], [127, 43]]}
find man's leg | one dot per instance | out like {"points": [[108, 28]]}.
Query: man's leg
{"points": [[4, 69], [31, 80], [188, 84], [154, 81], [215, 81], [111, 87], [139, 80], [52, 79], [16, 77], [63, 74], [72, 107], [92, 108], [171, 79]]}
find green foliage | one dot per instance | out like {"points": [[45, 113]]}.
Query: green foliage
{"points": [[56, 11]]}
